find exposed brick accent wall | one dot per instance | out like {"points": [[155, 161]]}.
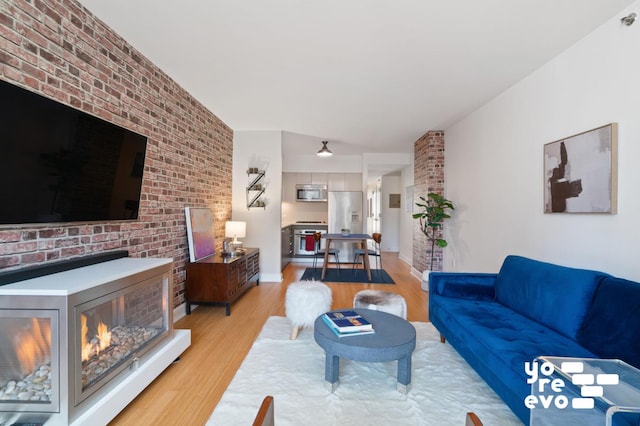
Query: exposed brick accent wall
{"points": [[428, 176], [58, 49]]}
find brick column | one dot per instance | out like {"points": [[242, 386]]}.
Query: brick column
{"points": [[428, 176]]}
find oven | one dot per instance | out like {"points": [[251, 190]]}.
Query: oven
{"points": [[300, 241]]}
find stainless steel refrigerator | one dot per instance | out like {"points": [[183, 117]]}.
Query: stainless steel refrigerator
{"points": [[345, 211]]}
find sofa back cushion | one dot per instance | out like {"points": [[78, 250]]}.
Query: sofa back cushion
{"points": [[611, 328], [553, 295]]}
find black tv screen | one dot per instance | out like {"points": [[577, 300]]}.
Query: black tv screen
{"points": [[59, 164]]}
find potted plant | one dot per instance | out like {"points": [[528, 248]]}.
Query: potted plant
{"points": [[434, 212]]}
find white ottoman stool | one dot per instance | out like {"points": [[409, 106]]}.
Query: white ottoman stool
{"points": [[379, 300], [304, 302]]}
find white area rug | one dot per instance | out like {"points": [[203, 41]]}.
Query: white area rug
{"points": [[443, 386]]}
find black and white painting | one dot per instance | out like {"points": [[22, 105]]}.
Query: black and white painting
{"points": [[580, 172]]}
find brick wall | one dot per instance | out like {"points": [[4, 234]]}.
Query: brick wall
{"points": [[58, 49], [428, 176]]}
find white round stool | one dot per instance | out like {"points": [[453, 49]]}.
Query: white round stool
{"points": [[304, 302], [379, 300]]}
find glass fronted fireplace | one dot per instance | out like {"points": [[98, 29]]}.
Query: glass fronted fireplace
{"points": [[69, 339]]}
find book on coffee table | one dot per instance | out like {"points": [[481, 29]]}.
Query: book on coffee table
{"points": [[346, 333], [347, 321]]}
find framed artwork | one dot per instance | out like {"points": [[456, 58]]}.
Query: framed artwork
{"points": [[394, 201], [202, 242], [580, 172]]}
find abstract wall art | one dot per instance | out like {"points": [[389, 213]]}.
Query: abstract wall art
{"points": [[580, 172], [200, 234]]}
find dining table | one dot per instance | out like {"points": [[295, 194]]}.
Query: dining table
{"points": [[356, 238]]}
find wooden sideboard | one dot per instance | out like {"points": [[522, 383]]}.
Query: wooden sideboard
{"points": [[218, 279]]}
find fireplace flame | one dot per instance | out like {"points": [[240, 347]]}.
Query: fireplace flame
{"points": [[104, 336], [34, 346], [96, 345]]}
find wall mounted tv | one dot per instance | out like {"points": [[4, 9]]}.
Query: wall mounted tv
{"points": [[59, 164]]}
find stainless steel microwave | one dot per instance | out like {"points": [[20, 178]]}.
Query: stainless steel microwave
{"points": [[311, 193]]}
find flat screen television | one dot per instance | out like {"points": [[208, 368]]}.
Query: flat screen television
{"points": [[59, 164]]}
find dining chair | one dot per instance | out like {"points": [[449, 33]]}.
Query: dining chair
{"points": [[320, 252], [360, 252]]}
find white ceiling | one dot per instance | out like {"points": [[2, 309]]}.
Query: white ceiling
{"points": [[367, 75]]}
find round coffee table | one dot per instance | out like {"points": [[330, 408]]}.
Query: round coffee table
{"points": [[394, 339]]}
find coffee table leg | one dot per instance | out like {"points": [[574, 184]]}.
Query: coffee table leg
{"points": [[331, 370], [404, 374]]}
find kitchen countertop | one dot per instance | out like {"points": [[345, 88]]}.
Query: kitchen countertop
{"points": [[305, 225]]}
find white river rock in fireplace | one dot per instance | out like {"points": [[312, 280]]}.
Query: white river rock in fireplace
{"points": [[35, 387], [124, 341]]}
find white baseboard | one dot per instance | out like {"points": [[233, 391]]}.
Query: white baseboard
{"points": [[180, 311], [270, 278], [406, 259], [416, 273]]}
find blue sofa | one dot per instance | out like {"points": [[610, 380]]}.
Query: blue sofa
{"points": [[497, 322]]}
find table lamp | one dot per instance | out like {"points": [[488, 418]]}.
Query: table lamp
{"points": [[235, 230]]}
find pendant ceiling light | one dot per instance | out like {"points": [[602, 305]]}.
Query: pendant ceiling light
{"points": [[324, 151]]}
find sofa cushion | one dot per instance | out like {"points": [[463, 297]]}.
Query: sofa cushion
{"points": [[476, 286], [556, 296], [611, 327]]}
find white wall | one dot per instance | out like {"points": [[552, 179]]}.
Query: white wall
{"points": [[406, 221], [262, 149], [390, 223], [494, 169]]}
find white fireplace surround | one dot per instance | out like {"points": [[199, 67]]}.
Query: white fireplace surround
{"points": [[74, 286]]}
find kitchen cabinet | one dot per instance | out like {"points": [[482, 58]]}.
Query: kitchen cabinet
{"points": [[345, 181], [303, 178], [311, 178], [286, 240], [336, 182], [288, 187], [221, 279], [353, 181], [319, 178]]}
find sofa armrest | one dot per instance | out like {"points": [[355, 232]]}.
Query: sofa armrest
{"points": [[464, 285]]}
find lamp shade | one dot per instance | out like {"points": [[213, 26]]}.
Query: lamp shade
{"points": [[324, 151], [235, 230]]}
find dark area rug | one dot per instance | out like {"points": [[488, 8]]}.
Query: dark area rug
{"points": [[347, 275]]}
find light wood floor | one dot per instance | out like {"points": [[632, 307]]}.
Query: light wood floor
{"points": [[188, 391]]}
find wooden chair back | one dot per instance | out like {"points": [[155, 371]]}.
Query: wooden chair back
{"points": [[266, 413], [317, 237], [473, 420]]}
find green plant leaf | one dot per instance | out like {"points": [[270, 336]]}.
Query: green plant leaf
{"points": [[434, 211], [441, 243]]}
